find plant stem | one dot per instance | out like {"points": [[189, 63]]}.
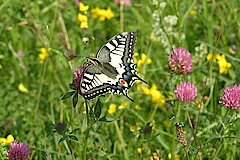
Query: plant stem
{"points": [[153, 113], [68, 149], [189, 119], [174, 132], [86, 135], [123, 144], [186, 152], [121, 17]]}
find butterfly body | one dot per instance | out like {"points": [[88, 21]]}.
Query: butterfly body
{"points": [[112, 70], [105, 68]]}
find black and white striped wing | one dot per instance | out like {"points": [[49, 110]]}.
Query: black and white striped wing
{"points": [[94, 83], [118, 52]]}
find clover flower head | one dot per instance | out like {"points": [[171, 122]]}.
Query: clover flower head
{"points": [[180, 61], [231, 97], [186, 92], [18, 151], [78, 74], [60, 128]]}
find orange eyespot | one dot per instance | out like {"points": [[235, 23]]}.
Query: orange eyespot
{"points": [[123, 82]]}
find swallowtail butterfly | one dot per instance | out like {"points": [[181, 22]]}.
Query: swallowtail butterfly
{"points": [[113, 70]]}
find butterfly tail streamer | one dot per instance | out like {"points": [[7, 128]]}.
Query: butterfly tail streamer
{"points": [[142, 80], [126, 95]]}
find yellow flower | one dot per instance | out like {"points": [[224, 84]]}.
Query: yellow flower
{"points": [[143, 60], [123, 105], [177, 157], [152, 37], [212, 57], [83, 20], [112, 108], [157, 96], [154, 87], [146, 90], [169, 155], [135, 128], [139, 150], [83, 25], [102, 18], [22, 88], [82, 7], [166, 124], [231, 50], [149, 61], [95, 12], [223, 64], [209, 56], [102, 14], [136, 54], [8, 140], [109, 13], [193, 12], [43, 54], [137, 107]]}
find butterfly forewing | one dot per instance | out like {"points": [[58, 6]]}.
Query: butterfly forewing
{"points": [[116, 72]]}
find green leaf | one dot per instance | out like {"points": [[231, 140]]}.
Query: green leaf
{"points": [[71, 85], [96, 126], [51, 133], [68, 94], [61, 139], [98, 109], [107, 119], [74, 130], [91, 114], [75, 100], [72, 137]]}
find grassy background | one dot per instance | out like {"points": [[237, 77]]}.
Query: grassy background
{"points": [[29, 25]]}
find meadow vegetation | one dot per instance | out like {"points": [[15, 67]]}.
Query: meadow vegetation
{"points": [[187, 51]]}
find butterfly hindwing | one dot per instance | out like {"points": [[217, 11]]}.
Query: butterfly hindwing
{"points": [[94, 83], [115, 71]]}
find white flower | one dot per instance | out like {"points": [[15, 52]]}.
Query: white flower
{"points": [[183, 36], [163, 5], [171, 20], [155, 2]]}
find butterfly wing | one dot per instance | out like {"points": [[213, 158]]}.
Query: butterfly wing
{"points": [[117, 72], [94, 83]]}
